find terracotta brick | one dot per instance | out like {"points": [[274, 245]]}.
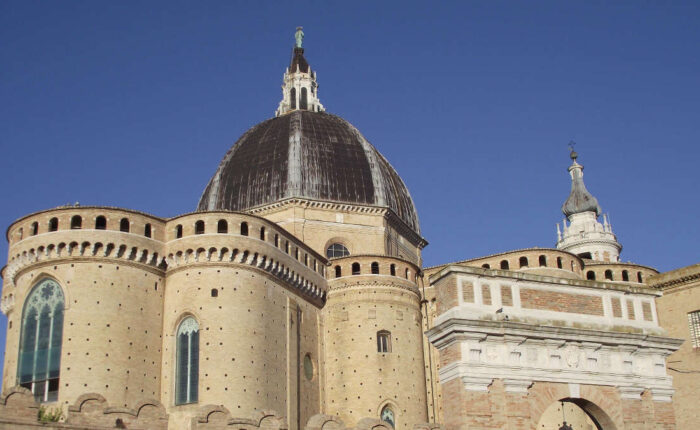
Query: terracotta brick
{"points": [[561, 302]]}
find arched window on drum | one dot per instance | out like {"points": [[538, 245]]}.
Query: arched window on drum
{"points": [[337, 250], [187, 369], [41, 340]]}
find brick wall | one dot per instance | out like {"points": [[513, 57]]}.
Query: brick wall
{"points": [[561, 302]]}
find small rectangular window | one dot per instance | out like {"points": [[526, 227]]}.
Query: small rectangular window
{"points": [[694, 324], [383, 341]]}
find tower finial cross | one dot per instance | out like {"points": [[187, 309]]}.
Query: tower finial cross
{"points": [[573, 154]]}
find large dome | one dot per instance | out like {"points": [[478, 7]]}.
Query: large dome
{"points": [[311, 155]]}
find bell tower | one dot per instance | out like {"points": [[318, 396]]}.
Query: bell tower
{"points": [[584, 235]]}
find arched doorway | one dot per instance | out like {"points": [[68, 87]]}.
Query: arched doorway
{"points": [[579, 414]]}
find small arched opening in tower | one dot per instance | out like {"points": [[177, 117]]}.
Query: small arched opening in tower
{"points": [[293, 98], [504, 265], [147, 230], [375, 268], [338, 272], [303, 103], [355, 268], [486, 266], [392, 269], [53, 224], [76, 222], [639, 277], [609, 275], [625, 276], [244, 229], [222, 226], [178, 231], [35, 228], [124, 225], [262, 233], [590, 275], [199, 227], [559, 263], [543, 261], [523, 262], [100, 223]]}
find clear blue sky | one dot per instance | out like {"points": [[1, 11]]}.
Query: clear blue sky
{"points": [[133, 104]]}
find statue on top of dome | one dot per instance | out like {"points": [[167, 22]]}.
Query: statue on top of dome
{"points": [[299, 36]]}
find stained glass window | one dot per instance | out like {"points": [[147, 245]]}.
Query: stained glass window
{"points": [[187, 372], [40, 341]]}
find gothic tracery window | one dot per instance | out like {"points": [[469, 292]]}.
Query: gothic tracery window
{"points": [[187, 370], [41, 340]]}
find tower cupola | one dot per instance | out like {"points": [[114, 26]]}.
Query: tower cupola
{"points": [[583, 234], [299, 86]]}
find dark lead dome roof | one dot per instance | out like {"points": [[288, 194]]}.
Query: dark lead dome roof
{"points": [[311, 155]]}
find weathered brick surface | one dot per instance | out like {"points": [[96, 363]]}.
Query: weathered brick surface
{"points": [[486, 294], [506, 295], [446, 293], [616, 307], [561, 302], [630, 309], [467, 292], [646, 311]]}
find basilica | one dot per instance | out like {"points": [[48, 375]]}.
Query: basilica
{"points": [[294, 297]]}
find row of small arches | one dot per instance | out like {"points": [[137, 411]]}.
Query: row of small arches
{"points": [[524, 262], [222, 227], [88, 249], [609, 276], [356, 269], [263, 262], [76, 223]]}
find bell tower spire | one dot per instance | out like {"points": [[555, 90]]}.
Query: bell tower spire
{"points": [[584, 235], [299, 86]]}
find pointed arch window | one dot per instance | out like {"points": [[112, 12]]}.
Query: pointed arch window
{"points": [[187, 370], [41, 340], [303, 103], [293, 97], [387, 415]]}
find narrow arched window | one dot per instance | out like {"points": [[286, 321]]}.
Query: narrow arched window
{"points": [[76, 222], [609, 275], [41, 340], [100, 223], [244, 229], [222, 226], [559, 263], [286, 246], [387, 415], [178, 231], [277, 240], [590, 275], [53, 224], [383, 341], [486, 266], [124, 225], [147, 230], [214, 292], [293, 98], [504, 265], [639, 277], [338, 272], [355, 268], [625, 276], [407, 273], [296, 253], [523, 262], [35, 228], [337, 250], [187, 369], [392, 269], [262, 233], [303, 103], [543, 261], [375, 268], [199, 227]]}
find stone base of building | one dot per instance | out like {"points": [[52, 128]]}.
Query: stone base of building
{"points": [[20, 411], [502, 407]]}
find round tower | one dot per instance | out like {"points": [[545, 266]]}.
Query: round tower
{"points": [[83, 293], [373, 342], [584, 235]]}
